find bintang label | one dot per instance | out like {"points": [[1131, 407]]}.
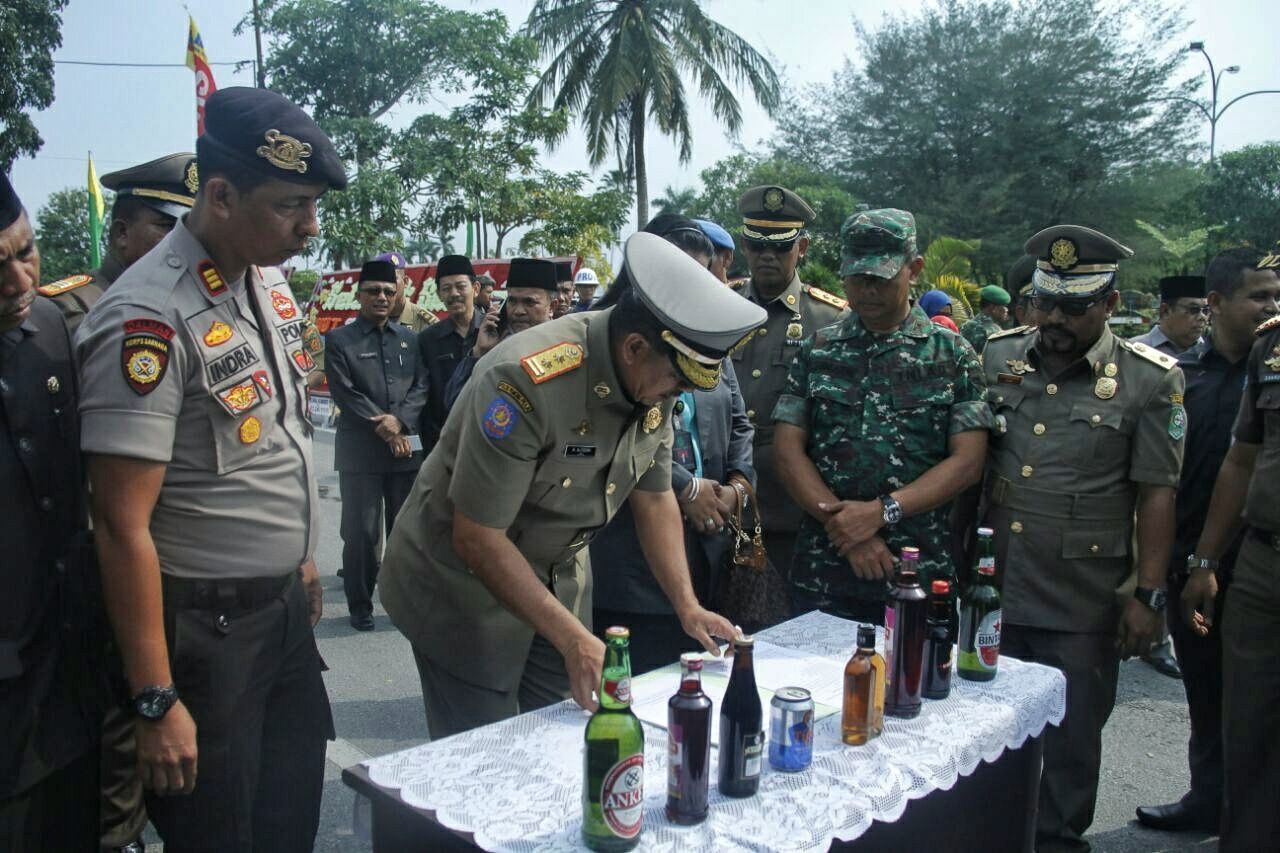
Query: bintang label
{"points": [[622, 796]]}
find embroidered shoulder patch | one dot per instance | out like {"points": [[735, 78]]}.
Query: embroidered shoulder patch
{"points": [[828, 298], [144, 353], [552, 361], [1178, 423], [499, 419], [64, 285], [516, 395], [283, 305]]}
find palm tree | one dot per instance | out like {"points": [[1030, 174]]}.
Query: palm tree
{"points": [[675, 200], [617, 64]]}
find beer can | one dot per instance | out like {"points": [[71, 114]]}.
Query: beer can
{"points": [[791, 729]]}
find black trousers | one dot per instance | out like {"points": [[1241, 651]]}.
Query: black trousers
{"points": [[58, 813], [252, 682], [1072, 750], [1201, 661], [363, 523]]}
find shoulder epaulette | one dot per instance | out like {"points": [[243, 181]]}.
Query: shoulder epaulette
{"points": [[1009, 333], [822, 296], [1267, 326], [1151, 354], [64, 285], [552, 361]]}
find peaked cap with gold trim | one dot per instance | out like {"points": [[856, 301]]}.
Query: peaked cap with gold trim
{"points": [[167, 184], [702, 320], [269, 135], [773, 214], [1271, 260], [1074, 262]]}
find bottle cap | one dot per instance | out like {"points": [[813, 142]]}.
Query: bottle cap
{"points": [[910, 553], [691, 661], [941, 587], [618, 632], [986, 531], [745, 641], [866, 636]]}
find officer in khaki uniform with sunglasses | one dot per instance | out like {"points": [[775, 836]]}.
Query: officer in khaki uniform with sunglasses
{"points": [[774, 241], [1088, 438]]}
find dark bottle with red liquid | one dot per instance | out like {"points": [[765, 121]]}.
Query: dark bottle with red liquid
{"points": [[688, 745], [937, 655], [906, 616]]}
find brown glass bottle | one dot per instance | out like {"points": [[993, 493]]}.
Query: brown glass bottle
{"points": [[741, 725], [906, 618], [688, 745], [861, 682]]}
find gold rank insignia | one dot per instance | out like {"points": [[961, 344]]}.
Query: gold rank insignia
{"points": [[219, 333], [1018, 367], [1105, 388], [192, 178], [553, 361], [828, 298], [285, 152], [652, 419], [63, 285], [210, 278], [1063, 254], [250, 430], [1273, 363]]}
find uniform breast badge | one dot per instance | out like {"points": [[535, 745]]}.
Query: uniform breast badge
{"points": [[1273, 363], [250, 430], [1018, 367], [53, 385], [219, 333], [1110, 370], [283, 305], [795, 331], [499, 419], [652, 419], [1105, 388], [240, 398], [144, 353]]}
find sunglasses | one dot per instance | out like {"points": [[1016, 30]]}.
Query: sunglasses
{"points": [[1193, 309], [378, 291], [1070, 307], [779, 246]]}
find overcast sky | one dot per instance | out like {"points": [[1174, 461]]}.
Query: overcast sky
{"points": [[131, 115]]}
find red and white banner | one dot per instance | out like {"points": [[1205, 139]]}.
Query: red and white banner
{"points": [[198, 62]]}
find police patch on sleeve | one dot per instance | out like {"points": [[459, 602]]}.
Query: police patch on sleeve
{"points": [[144, 353], [1178, 423], [499, 419]]}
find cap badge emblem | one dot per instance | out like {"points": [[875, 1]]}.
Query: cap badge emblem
{"points": [[191, 180], [1062, 254], [773, 199], [652, 419], [285, 152], [53, 385], [1105, 388]]}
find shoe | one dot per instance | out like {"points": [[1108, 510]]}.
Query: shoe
{"points": [[362, 622], [1161, 659], [1178, 817]]}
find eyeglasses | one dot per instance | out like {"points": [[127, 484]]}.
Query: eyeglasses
{"points": [[378, 291], [1070, 307], [1193, 309], [779, 246]]}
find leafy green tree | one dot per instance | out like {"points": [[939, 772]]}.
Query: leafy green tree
{"points": [[574, 223], [616, 65], [678, 200], [30, 31], [364, 220], [302, 283], [62, 233], [990, 118], [1242, 192]]}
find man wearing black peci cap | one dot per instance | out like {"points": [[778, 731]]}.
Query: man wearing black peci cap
{"points": [[204, 490], [565, 295], [485, 570], [149, 199], [379, 384], [443, 345], [1184, 315]]}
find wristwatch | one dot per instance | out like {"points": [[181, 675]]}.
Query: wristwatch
{"points": [[1196, 562], [152, 703], [892, 510], [1153, 598]]}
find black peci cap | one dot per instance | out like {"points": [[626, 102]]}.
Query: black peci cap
{"points": [[378, 271], [1175, 287], [270, 135], [532, 272], [10, 204], [454, 265], [564, 271]]}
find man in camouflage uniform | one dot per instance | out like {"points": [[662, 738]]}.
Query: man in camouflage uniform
{"points": [[1089, 432], [993, 310], [773, 239], [882, 422]]}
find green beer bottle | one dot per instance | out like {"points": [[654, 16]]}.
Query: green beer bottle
{"points": [[980, 613], [613, 760]]}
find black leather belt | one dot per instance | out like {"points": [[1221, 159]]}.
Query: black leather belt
{"points": [[233, 594], [1266, 537]]}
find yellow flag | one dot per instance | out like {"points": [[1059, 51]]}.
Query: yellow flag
{"points": [[97, 211]]}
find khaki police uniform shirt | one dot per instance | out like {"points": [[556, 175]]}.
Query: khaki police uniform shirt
{"points": [[1066, 458], [762, 366], [206, 376], [76, 295], [543, 444], [1258, 422]]}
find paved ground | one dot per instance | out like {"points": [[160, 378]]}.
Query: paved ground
{"points": [[377, 708]]}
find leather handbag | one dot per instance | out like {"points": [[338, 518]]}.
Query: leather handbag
{"points": [[751, 592]]}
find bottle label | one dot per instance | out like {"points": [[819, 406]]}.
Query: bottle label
{"points": [[620, 690], [622, 796], [987, 641], [752, 750], [675, 758], [888, 639], [987, 563]]}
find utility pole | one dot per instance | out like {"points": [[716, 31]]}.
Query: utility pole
{"points": [[1215, 79], [257, 40]]}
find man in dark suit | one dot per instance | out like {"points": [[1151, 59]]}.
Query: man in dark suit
{"points": [[444, 344], [380, 386], [48, 726]]}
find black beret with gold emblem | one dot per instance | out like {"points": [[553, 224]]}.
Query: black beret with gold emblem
{"points": [[270, 135], [773, 214], [1074, 262], [167, 185]]}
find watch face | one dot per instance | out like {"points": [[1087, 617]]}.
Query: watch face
{"points": [[153, 704]]}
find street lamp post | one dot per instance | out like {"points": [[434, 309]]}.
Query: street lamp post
{"points": [[1215, 80]]}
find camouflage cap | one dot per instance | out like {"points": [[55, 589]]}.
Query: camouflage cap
{"points": [[1074, 262], [877, 242]]}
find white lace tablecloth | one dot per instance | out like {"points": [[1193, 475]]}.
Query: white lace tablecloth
{"points": [[516, 785]]}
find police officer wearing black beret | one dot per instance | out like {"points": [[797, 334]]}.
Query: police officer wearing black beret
{"points": [[380, 386], [204, 489]]}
